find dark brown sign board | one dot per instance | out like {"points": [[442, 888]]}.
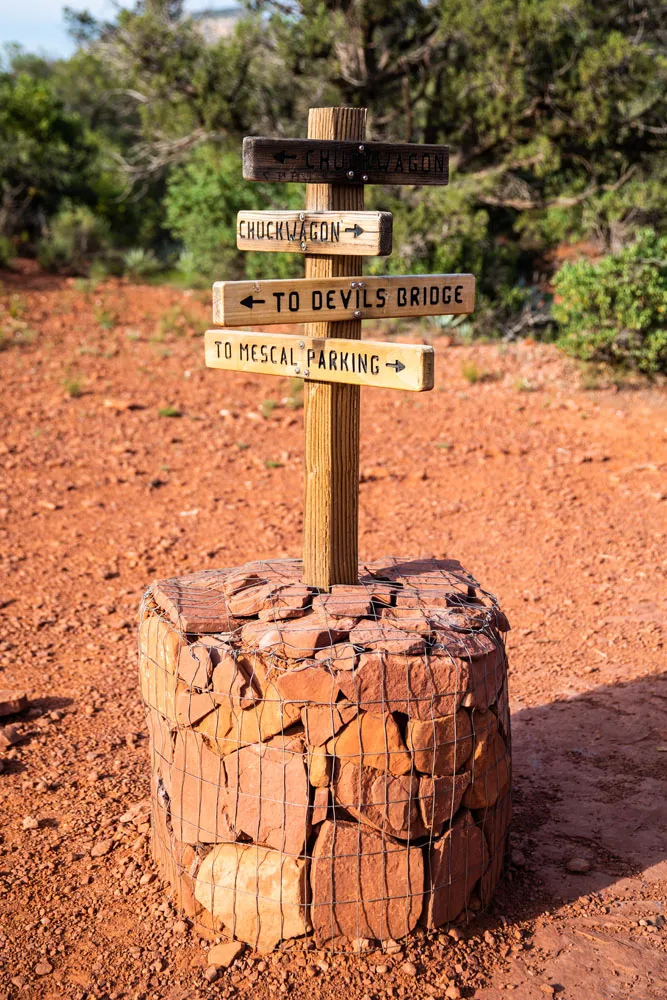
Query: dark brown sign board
{"points": [[336, 162]]}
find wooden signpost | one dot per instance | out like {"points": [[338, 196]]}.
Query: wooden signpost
{"points": [[354, 362], [366, 233], [236, 303], [334, 233], [324, 161]]}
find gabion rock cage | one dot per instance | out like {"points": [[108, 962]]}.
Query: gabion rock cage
{"points": [[334, 764]]}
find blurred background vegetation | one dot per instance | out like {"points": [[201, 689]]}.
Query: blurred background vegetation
{"points": [[125, 158]]}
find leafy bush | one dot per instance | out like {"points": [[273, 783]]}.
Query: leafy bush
{"points": [[75, 237], [615, 310], [6, 251], [140, 263], [203, 197]]}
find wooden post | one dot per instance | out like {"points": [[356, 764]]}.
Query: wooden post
{"points": [[331, 415]]}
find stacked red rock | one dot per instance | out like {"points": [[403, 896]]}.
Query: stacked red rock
{"points": [[330, 763]]}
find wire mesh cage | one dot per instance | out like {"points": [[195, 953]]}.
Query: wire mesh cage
{"points": [[334, 764]]}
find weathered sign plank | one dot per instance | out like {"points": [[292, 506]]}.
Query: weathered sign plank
{"points": [[236, 303], [334, 162], [322, 359], [359, 233]]}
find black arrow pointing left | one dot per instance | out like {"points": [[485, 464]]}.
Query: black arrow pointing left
{"points": [[282, 156], [398, 366], [249, 302]]}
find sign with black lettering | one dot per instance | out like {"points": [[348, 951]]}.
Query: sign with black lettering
{"points": [[305, 300], [359, 233], [334, 162], [322, 359]]}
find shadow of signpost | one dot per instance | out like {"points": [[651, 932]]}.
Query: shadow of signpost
{"points": [[590, 781]]}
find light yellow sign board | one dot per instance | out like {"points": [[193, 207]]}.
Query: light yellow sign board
{"points": [[309, 300], [359, 233], [319, 359]]}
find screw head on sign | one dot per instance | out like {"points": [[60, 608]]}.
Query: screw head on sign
{"points": [[364, 177], [306, 372], [297, 369], [301, 343], [357, 313], [353, 284], [350, 174], [303, 244], [302, 216], [362, 284], [361, 148]]}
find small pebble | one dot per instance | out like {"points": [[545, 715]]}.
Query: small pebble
{"points": [[453, 993], [578, 865], [409, 969], [43, 968], [30, 823], [547, 989], [382, 969], [211, 974]]}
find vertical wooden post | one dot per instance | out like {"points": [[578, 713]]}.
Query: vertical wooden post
{"points": [[331, 415]]}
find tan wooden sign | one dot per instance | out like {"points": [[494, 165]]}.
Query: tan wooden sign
{"points": [[321, 359], [236, 303], [337, 162], [359, 233]]}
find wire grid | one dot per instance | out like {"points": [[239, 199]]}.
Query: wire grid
{"points": [[328, 763]]}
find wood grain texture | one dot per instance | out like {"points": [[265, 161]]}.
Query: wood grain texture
{"points": [[365, 233], [302, 300], [331, 417], [331, 359], [344, 162]]}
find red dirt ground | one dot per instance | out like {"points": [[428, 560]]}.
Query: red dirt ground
{"points": [[553, 496]]}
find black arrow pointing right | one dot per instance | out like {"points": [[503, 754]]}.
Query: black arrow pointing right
{"points": [[398, 366], [357, 230], [249, 302]]}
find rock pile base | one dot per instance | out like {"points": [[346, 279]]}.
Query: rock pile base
{"points": [[327, 763]]}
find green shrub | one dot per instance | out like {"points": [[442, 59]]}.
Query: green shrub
{"points": [[75, 237], [615, 310], [140, 263], [6, 251], [203, 198]]}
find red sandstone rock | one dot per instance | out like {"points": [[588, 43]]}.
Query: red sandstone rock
{"points": [[409, 619], [159, 651], [490, 763], [259, 895], [441, 745], [268, 793], [488, 674], [495, 825], [194, 607], [235, 677], [241, 580], [317, 684], [386, 802], [320, 806], [382, 635], [440, 799], [191, 707], [321, 722], [229, 728], [364, 884], [345, 602], [372, 741], [9, 736], [422, 687], [454, 864], [12, 702], [319, 766], [250, 600], [340, 656], [161, 745], [300, 638], [195, 665], [199, 799]]}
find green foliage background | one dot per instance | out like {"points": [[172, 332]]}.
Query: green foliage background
{"points": [[555, 112]]}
